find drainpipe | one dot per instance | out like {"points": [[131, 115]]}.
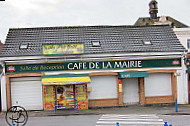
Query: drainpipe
{"points": [[2, 72]]}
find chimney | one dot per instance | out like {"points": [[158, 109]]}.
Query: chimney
{"points": [[153, 9]]}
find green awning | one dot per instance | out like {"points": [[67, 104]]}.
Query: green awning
{"points": [[132, 74]]}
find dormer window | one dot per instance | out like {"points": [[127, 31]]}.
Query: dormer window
{"points": [[23, 46], [96, 44]]}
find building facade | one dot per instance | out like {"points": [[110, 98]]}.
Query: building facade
{"points": [[183, 34], [180, 29], [1, 46], [96, 65]]}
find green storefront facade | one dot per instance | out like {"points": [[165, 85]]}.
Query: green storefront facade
{"points": [[100, 65], [121, 70]]}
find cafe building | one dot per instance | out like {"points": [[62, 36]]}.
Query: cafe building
{"points": [[96, 66]]}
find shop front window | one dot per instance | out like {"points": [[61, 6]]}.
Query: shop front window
{"points": [[65, 95], [49, 96], [81, 96]]}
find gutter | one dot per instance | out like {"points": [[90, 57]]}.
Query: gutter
{"points": [[18, 58]]}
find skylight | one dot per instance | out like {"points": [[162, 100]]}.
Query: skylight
{"points": [[23, 46], [96, 43], [147, 42]]}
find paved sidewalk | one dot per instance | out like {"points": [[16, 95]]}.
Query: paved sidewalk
{"points": [[131, 109]]}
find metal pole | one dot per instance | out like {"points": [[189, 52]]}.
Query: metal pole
{"points": [[165, 124], [77, 106], [55, 105], [176, 109]]}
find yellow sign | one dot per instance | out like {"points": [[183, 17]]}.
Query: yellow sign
{"points": [[81, 96], [120, 88], [58, 49], [49, 98]]}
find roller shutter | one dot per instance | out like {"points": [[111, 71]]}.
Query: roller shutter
{"points": [[27, 92], [158, 84], [130, 91], [103, 87]]}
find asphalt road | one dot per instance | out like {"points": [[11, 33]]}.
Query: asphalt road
{"points": [[79, 120], [90, 120], [177, 120], [91, 116]]}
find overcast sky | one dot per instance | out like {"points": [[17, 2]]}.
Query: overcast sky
{"points": [[45, 13]]}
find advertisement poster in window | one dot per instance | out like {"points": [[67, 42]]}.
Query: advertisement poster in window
{"points": [[49, 97], [81, 96], [65, 92]]}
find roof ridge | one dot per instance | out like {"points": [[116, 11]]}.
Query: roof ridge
{"points": [[106, 26]]}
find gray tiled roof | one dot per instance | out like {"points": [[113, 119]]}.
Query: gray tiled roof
{"points": [[113, 39]]}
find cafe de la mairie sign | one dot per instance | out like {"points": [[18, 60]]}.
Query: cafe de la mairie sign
{"points": [[100, 65]]}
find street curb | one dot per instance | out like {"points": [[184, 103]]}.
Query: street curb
{"points": [[2, 115], [177, 113], [73, 114]]}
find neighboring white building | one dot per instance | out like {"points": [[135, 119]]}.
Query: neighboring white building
{"points": [[183, 34]]}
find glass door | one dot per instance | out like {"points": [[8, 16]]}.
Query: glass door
{"points": [[65, 93]]}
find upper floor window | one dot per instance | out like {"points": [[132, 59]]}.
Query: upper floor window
{"points": [[188, 43]]}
